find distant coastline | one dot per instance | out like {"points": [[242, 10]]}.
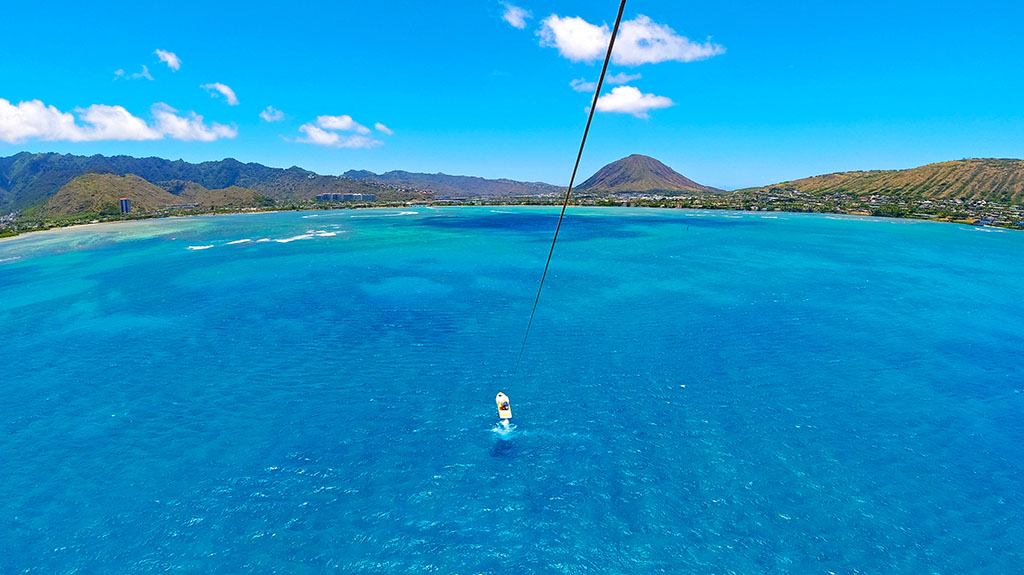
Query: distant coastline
{"points": [[47, 191], [574, 203]]}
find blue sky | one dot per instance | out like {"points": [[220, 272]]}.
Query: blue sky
{"points": [[732, 94]]}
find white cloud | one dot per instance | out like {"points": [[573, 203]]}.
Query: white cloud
{"points": [[321, 137], [317, 136], [630, 100], [189, 128], [136, 76], [326, 132], [582, 85], [170, 58], [272, 114], [640, 41], [114, 123], [515, 15], [383, 129], [34, 120], [574, 37], [344, 123], [222, 89]]}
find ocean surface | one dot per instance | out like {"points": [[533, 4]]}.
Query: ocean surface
{"points": [[702, 392]]}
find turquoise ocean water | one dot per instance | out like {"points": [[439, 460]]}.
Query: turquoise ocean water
{"points": [[701, 393]]}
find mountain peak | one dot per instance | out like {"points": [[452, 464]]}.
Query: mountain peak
{"points": [[640, 173]]}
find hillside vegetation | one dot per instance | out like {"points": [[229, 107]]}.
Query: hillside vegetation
{"points": [[99, 194], [28, 181], [231, 197], [31, 179], [640, 174], [998, 180], [457, 185], [39, 190]]}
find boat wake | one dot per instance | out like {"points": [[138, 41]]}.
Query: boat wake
{"points": [[504, 429]]}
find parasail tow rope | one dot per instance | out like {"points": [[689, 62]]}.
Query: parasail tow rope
{"points": [[572, 180]]}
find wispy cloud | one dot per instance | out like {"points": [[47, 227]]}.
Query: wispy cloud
{"points": [[515, 15], [144, 74], [630, 100], [383, 129], [584, 85], [640, 41], [320, 137], [170, 58], [329, 131], [34, 120], [344, 123], [222, 89], [646, 42], [272, 114]]}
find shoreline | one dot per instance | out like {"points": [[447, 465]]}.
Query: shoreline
{"points": [[59, 229]]}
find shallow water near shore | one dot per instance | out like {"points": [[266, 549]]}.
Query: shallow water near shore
{"points": [[702, 392]]}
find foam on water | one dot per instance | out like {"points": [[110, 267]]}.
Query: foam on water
{"points": [[306, 236], [310, 234], [504, 429], [385, 215]]}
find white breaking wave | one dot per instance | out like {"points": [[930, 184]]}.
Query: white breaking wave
{"points": [[310, 234], [200, 247], [295, 238], [385, 215], [236, 242]]}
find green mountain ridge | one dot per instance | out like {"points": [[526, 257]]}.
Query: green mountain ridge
{"points": [[28, 181], [46, 187], [457, 185]]}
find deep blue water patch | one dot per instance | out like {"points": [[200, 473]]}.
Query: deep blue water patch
{"points": [[702, 393], [539, 225]]}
